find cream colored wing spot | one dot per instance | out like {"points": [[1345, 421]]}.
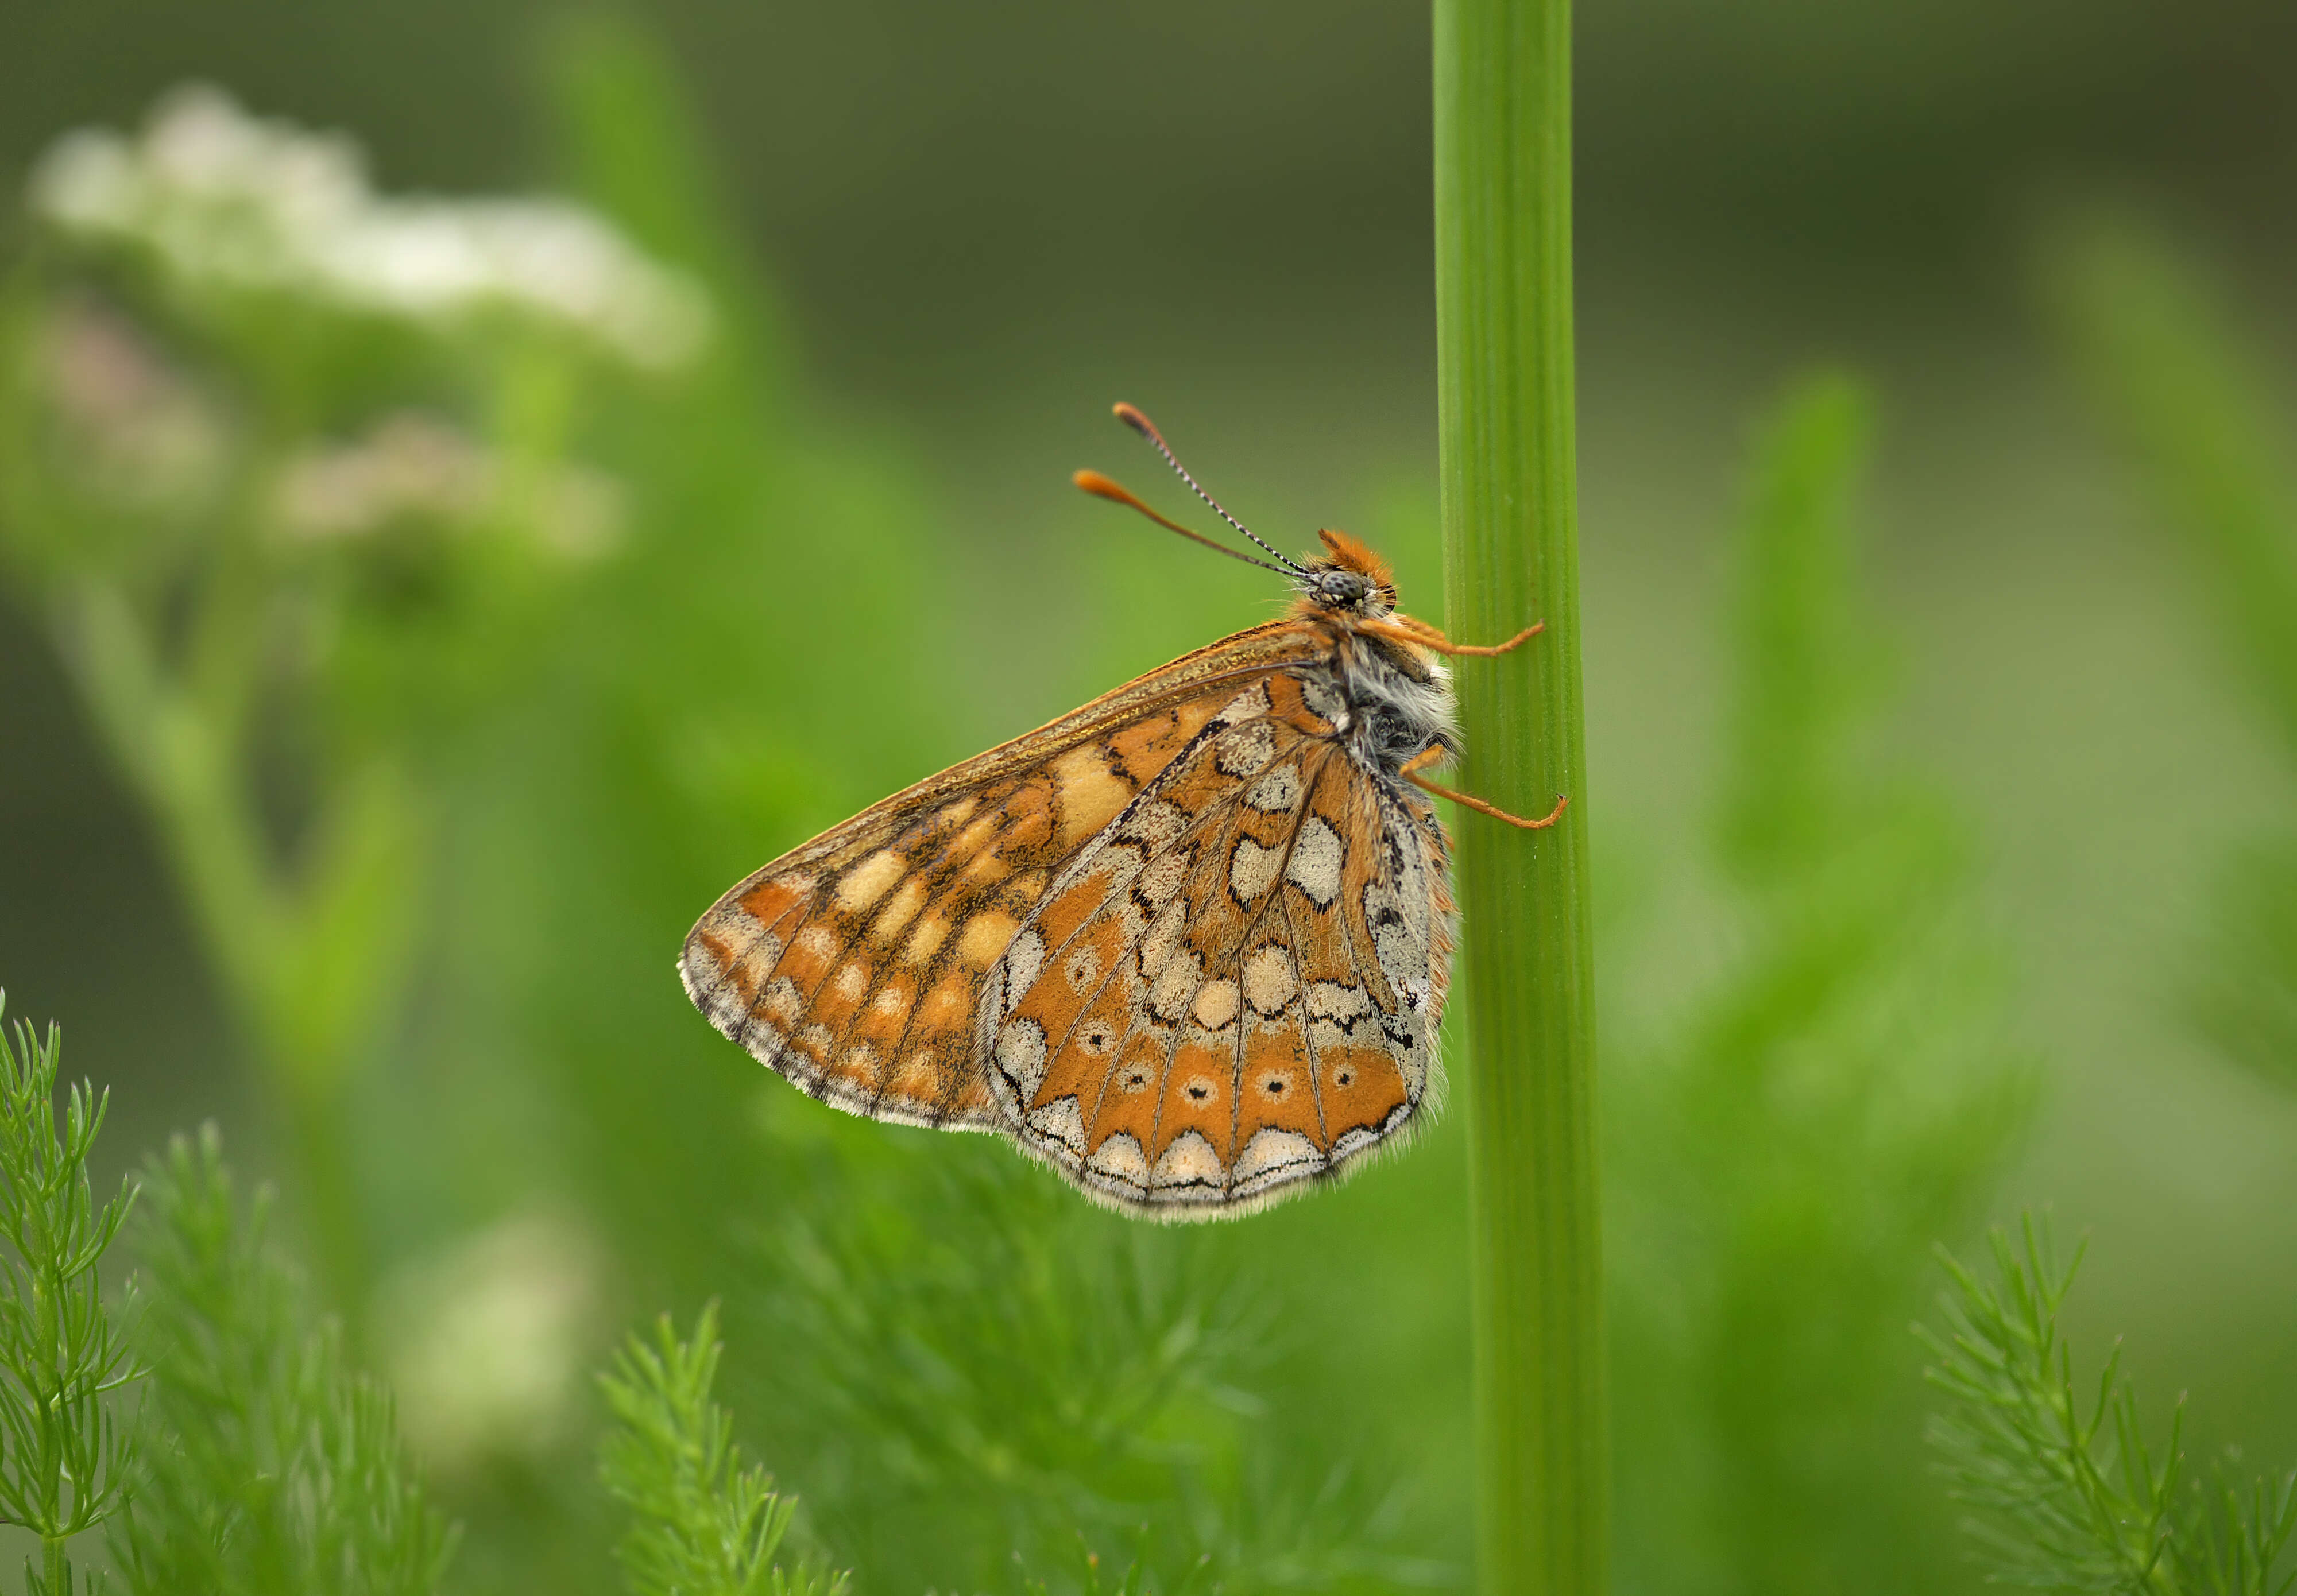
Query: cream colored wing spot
{"points": [[1314, 867], [1276, 793], [925, 939], [728, 990], [1190, 1161], [1269, 981], [783, 1003], [1246, 750], [1162, 877], [1333, 1000], [1091, 793], [900, 909], [1025, 955], [1250, 704], [1403, 957], [1176, 984], [1160, 941], [1273, 1157], [1215, 1005], [1252, 869], [1080, 969], [1021, 1055], [984, 939], [868, 881], [1155, 822], [1119, 1159], [1062, 1122]]}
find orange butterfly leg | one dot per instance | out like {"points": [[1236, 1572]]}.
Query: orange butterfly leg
{"points": [[1429, 756], [1405, 628]]}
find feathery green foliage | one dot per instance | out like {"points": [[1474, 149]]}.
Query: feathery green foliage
{"points": [[2066, 1492], [65, 1459], [1839, 1095], [703, 1522], [2178, 383], [1088, 1578], [968, 1368], [268, 1467]]}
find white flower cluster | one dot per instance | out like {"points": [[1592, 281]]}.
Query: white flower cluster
{"points": [[412, 466], [224, 198]]}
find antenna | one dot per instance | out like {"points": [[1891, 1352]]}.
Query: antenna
{"points": [[1141, 424], [1099, 486]]}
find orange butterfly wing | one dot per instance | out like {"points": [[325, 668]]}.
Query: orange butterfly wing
{"points": [[1235, 987], [851, 964]]}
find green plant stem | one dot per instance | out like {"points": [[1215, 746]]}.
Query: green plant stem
{"points": [[182, 738], [1503, 318]]}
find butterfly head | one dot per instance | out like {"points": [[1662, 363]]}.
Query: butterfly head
{"points": [[1353, 580]]}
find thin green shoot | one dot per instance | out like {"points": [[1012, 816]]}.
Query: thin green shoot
{"points": [[2064, 1492], [67, 1461], [269, 1467], [703, 1522]]}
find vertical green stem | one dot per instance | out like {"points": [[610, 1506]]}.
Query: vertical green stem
{"points": [[180, 732], [1503, 316]]}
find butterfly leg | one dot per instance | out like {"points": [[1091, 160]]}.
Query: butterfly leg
{"points": [[1405, 628], [1410, 773]]}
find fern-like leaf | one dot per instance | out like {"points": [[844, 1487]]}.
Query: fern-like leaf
{"points": [[703, 1522], [2064, 1492]]}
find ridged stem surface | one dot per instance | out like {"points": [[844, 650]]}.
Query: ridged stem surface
{"points": [[1511, 556]]}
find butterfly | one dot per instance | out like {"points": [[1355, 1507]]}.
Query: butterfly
{"points": [[1188, 944]]}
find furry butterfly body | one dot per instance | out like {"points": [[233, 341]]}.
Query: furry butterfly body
{"points": [[1188, 944]]}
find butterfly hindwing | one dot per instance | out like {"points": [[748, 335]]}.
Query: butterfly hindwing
{"points": [[1121, 972], [1226, 993], [852, 964]]}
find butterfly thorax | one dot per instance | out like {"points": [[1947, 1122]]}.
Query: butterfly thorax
{"points": [[1397, 700], [1399, 696]]}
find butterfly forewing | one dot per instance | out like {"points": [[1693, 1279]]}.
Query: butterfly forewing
{"points": [[853, 965]]}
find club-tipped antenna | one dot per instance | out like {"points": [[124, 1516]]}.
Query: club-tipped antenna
{"points": [[1094, 484], [1141, 424]]}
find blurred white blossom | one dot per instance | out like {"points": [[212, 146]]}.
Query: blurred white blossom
{"points": [[141, 433], [411, 466], [486, 1341], [228, 199]]}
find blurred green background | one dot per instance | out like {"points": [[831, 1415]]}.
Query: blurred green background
{"points": [[939, 241]]}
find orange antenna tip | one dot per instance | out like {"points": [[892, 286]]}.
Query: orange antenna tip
{"points": [[1132, 418], [1101, 487]]}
